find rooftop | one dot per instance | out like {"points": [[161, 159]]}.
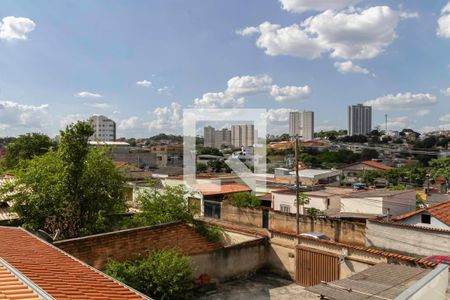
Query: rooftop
{"points": [[107, 143], [372, 164], [382, 281], [56, 272], [377, 193], [219, 189], [440, 211]]}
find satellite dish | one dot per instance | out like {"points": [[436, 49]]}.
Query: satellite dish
{"points": [[45, 236]]}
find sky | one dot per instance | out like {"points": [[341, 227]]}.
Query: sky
{"points": [[142, 62]]}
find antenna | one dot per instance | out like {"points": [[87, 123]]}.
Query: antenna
{"points": [[386, 119]]}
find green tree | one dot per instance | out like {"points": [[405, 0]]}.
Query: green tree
{"points": [[245, 200], [302, 200], [368, 154], [440, 167], [70, 190], [26, 147], [162, 274], [201, 167], [210, 151]]}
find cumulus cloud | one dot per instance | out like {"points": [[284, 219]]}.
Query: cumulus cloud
{"points": [[435, 128], [144, 83], [13, 28], [69, 119], [98, 105], [168, 118], [445, 118], [348, 67], [277, 115], [247, 31], [218, 100], [443, 29], [130, 123], [290, 93], [348, 34], [423, 112], [85, 94], [402, 101], [16, 115], [248, 85], [165, 90], [446, 92], [397, 123], [300, 6]]}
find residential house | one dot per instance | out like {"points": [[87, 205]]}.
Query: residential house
{"points": [[33, 269], [436, 216], [352, 172], [308, 177], [168, 155]]}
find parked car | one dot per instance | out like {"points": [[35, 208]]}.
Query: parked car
{"points": [[358, 186], [316, 235], [437, 259]]}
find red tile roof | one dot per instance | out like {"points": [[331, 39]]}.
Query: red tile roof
{"points": [[220, 189], [440, 211], [377, 165], [56, 272], [13, 288]]}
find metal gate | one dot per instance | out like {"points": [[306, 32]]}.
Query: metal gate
{"points": [[314, 266]]}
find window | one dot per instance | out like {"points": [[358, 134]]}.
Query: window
{"points": [[285, 208], [328, 203], [425, 219]]}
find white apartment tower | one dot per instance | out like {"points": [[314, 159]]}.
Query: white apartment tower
{"points": [[104, 129], [208, 136], [359, 119], [301, 123], [216, 138], [242, 135]]}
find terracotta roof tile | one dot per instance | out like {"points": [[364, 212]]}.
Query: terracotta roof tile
{"points": [[440, 211], [13, 288], [56, 272], [220, 189], [377, 165]]}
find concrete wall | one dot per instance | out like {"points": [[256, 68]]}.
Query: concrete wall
{"points": [[314, 201], [337, 230], [235, 261], [122, 245], [409, 240], [433, 286], [246, 216], [416, 220]]}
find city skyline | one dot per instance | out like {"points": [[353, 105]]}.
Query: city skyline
{"points": [[61, 67]]}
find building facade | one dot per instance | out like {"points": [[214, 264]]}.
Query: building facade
{"points": [[104, 129], [359, 119], [301, 123], [216, 138], [242, 135], [208, 136]]}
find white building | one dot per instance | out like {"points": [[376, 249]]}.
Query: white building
{"points": [[208, 136], [243, 135], [104, 128], [359, 119], [301, 123], [216, 138], [436, 216]]}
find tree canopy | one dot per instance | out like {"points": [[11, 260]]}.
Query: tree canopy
{"points": [[69, 190]]}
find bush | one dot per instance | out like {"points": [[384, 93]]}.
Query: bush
{"points": [[162, 274], [245, 200]]}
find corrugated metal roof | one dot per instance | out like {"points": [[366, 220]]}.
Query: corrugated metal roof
{"points": [[382, 281]]}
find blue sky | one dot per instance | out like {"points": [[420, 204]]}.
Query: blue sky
{"points": [[64, 60]]}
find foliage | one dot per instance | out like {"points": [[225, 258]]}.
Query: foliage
{"points": [[245, 200], [397, 187], [219, 165], [211, 233], [70, 190], [302, 199], [210, 151], [313, 212], [201, 167], [166, 137], [162, 274], [368, 154], [419, 202], [26, 147], [354, 139], [440, 167]]}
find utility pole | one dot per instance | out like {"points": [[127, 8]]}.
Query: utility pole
{"points": [[297, 186]]}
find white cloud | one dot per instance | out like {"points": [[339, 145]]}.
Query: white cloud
{"points": [[248, 85], [144, 83], [98, 105], [435, 128], [349, 34], [85, 94], [130, 123], [168, 118], [348, 67], [446, 92], [165, 90], [300, 6], [445, 118], [218, 100], [277, 115], [290, 93], [29, 117], [423, 112], [402, 101], [247, 31], [443, 29], [396, 123], [69, 119], [13, 28]]}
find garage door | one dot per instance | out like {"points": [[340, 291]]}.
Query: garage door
{"points": [[314, 266]]}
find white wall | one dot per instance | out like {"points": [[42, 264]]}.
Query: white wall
{"points": [[314, 201], [372, 205], [416, 220]]}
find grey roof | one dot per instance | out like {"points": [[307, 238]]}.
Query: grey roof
{"points": [[376, 193], [380, 281]]}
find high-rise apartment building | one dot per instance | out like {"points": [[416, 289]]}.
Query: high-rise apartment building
{"points": [[242, 135], [216, 138], [359, 119], [104, 129], [301, 123]]}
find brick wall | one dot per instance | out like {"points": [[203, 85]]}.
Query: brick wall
{"points": [[337, 230], [127, 244]]}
